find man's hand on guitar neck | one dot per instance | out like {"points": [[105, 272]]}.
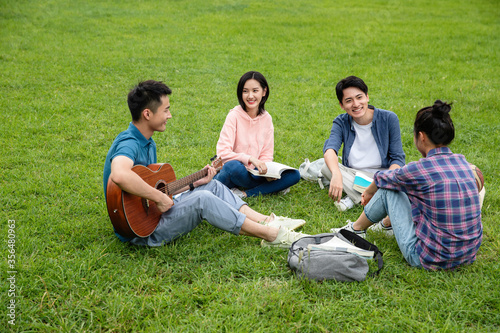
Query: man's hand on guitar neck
{"points": [[211, 172]]}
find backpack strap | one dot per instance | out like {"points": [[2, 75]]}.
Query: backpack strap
{"points": [[365, 245]]}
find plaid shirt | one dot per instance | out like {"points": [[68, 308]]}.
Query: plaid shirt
{"points": [[445, 207]]}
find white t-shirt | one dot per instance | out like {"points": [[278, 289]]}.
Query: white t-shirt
{"points": [[364, 154]]}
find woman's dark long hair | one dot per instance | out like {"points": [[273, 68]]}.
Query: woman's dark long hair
{"points": [[263, 83]]}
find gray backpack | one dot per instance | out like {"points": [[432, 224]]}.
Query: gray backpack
{"points": [[314, 257]]}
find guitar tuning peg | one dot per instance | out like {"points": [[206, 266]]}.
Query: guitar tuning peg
{"points": [[213, 158]]}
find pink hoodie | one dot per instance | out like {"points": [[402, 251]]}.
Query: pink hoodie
{"points": [[242, 137]]}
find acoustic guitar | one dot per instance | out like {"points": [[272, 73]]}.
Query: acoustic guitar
{"points": [[134, 216]]}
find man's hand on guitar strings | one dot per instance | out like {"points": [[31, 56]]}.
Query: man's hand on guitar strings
{"points": [[165, 204]]}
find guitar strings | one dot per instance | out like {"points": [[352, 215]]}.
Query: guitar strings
{"points": [[217, 164], [184, 181]]}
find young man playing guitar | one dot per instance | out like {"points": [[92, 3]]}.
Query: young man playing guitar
{"points": [[203, 199]]}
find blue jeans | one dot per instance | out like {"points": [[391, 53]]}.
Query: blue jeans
{"points": [[212, 202], [235, 174], [397, 206]]}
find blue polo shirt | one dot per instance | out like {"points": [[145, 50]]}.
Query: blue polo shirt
{"points": [[134, 145]]}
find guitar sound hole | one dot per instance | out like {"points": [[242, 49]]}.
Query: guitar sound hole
{"points": [[161, 186]]}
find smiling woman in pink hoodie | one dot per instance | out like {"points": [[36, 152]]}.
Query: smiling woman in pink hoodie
{"points": [[247, 141]]}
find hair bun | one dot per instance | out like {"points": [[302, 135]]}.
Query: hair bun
{"points": [[440, 109]]}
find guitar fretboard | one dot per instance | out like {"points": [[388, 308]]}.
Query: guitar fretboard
{"points": [[176, 185]]}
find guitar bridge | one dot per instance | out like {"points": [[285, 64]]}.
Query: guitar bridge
{"points": [[145, 205]]}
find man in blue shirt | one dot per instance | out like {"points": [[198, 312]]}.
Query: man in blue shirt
{"points": [[205, 199], [371, 139]]}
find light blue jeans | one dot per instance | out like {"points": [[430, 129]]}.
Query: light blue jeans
{"points": [[235, 174], [212, 202], [396, 205]]}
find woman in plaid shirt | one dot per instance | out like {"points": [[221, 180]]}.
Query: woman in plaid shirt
{"points": [[433, 203]]}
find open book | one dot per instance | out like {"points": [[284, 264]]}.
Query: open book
{"points": [[274, 170], [337, 244], [361, 182]]}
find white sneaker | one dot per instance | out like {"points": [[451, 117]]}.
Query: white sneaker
{"points": [[344, 204], [237, 192], [348, 226], [284, 239], [380, 227], [285, 191], [286, 222]]}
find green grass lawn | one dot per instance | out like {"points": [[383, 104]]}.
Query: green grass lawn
{"points": [[65, 70]]}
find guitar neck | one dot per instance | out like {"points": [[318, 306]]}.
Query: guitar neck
{"points": [[178, 184]]}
